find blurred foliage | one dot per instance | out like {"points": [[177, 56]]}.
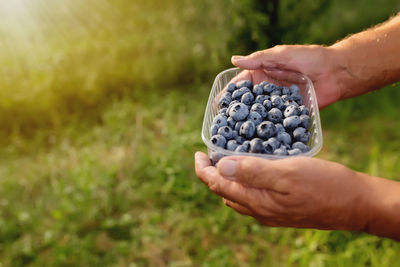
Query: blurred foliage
{"points": [[101, 104], [70, 57], [259, 24]]}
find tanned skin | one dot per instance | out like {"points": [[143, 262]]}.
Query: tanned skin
{"points": [[308, 192]]}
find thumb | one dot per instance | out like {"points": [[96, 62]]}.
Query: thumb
{"points": [[269, 58], [251, 171]]}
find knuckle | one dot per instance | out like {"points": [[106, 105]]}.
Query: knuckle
{"points": [[294, 165], [281, 48], [214, 186], [257, 54], [248, 170]]}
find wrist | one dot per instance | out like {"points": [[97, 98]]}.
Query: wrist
{"points": [[352, 77], [380, 207]]}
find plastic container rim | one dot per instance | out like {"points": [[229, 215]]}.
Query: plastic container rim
{"points": [[314, 102]]}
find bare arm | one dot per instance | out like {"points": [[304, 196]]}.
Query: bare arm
{"points": [[361, 63], [309, 192], [382, 206], [368, 60], [305, 193]]}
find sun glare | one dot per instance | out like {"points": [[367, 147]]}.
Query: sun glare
{"points": [[12, 7]]}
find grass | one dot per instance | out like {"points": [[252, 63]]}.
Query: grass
{"points": [[98, 139], [123, 190]]}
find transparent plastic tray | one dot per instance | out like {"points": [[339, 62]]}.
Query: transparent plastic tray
{"points": [[309, 100]]}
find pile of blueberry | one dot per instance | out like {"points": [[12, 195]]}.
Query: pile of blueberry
{"points": [[264, 118]]}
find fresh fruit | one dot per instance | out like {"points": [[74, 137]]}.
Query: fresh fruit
{"points": [[262, 118], [247, 129]]}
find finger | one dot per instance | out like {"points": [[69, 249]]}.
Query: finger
{"points": [[286, 76], [268, 221], [238, 208], [258, 173], [269, 58], [201, 161], [209, 175]]}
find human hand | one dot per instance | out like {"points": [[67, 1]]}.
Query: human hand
{"points": [[317, 62], [293, 192]]}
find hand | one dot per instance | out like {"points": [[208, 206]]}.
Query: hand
{"points": [[292, 192], [317, 62]]}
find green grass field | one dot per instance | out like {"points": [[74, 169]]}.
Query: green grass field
{"points": [[101, 106]]}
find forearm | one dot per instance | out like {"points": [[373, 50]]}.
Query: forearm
{"points": [[368, 60], [380, 206]]}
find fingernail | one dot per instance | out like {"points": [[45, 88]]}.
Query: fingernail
{"points": [[227, 168], [238, 58]]}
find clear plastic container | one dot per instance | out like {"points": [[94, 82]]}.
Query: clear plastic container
{"points": [[309, 100]]}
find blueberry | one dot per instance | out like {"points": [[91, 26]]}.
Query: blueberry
{"points": [[284, 138], [291, 102], [258, 90], [220, 120], [291, 110], [266, 130], [294, 152], [233, 103], [247, 129], [237, 125], [246, 144], [231, 122], [226, 95], [285, 98], [279, 128], [299, 145], [304, 110], [291, 122], [285, 90], [255, 117], [239, 111], [235, 134], [284, 147], [260, 109], [261, 98], [222, 111], [215, 157], [231, 87], [262, 84], [240, 140], [294, 89], [269, 87], [305, 121], [256, 146], [247, 98], [226, 132], [267, 104], [301, 134], [280, 152], [230, 106], [237, 94], [232, 145], [276, 92], [244, 83], [241, 148], [218, 140], [224, 102], [213, 129], [297, 98], [277, 101], [271, 144], [275, 115]]}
